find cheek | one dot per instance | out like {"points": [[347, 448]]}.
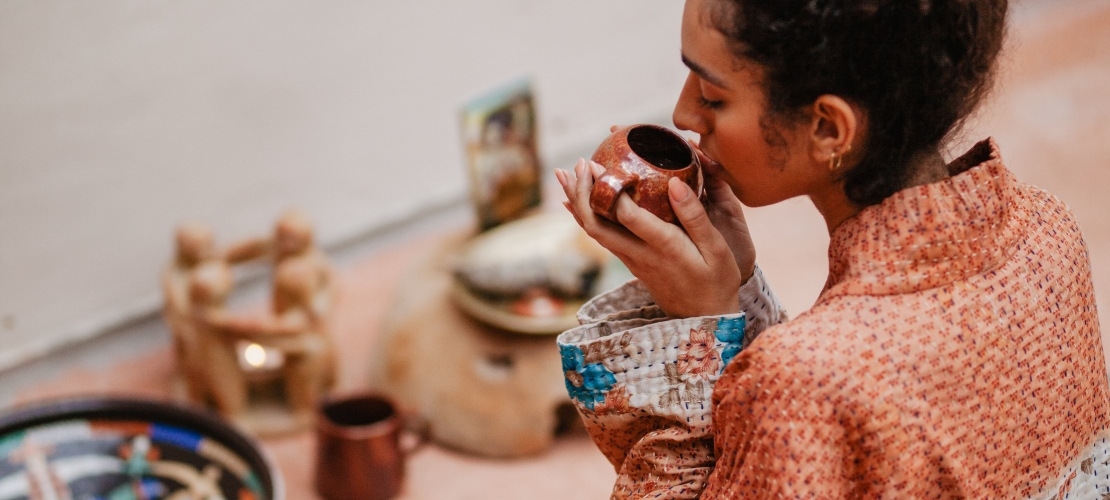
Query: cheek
{"points": [[761, 162], [752, 171], [741, 150]]}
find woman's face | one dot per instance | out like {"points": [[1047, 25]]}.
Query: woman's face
{"points": [[764, 161]]}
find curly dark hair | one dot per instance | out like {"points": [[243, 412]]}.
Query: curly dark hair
{"points": [[917, 68]]}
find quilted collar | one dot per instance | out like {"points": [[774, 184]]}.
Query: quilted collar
{"points": [[931, 235]]}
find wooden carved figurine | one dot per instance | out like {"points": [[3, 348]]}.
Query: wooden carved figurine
{"points": [[298, 328], [215, 370], [303, 294], [193, 245], [292, 238], [295, 329]]}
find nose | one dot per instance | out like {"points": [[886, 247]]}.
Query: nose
{"points": [[688, 114]]}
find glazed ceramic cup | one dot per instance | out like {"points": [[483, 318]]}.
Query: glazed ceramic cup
{"points": [[640, 160], [359, 452]]}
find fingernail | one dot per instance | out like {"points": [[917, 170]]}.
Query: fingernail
{"points": [[678, 190], [579, 167], [597, 168], [561, 177]]}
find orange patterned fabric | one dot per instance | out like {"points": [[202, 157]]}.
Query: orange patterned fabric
{"points": [[955, 352]]}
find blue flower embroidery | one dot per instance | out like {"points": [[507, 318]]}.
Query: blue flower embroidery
{"points": [[731, 332], [586, 383], [572, 357]]}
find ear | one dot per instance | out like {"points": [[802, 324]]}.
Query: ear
{"points": [[836, 123]]}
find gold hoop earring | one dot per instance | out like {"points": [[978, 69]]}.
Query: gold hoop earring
{"points": [[837, 159]]}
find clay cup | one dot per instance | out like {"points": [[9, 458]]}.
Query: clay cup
{"points": [[640, 160], [359, 450]]}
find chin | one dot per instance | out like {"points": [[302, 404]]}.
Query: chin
{"points": [[739, 191], [753, 201]]}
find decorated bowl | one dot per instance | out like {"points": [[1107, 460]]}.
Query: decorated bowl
{"points": [[127, 448]]}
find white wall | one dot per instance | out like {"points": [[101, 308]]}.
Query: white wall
{"points": [[119, 119]]}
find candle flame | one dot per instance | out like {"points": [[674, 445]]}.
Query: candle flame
{"points": [[255, 355]]}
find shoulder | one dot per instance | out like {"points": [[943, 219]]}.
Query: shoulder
{"points": [[1043, 209], [1050, 231], [822, 352]]}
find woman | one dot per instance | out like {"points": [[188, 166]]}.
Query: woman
{"points": [[955, 349]]}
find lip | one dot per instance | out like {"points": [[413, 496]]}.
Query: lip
{"points": [[714, 166]]}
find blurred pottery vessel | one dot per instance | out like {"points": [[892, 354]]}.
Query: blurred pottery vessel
{"points": [[359, 451]]}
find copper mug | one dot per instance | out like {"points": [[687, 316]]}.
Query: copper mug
{"points": [[640, 160], [359, 452]]}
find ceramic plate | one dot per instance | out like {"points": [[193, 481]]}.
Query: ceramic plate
{"points": [[549, 316], [526, 276], [124, 448]]}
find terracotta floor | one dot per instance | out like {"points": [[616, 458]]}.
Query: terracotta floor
{"points": [[1051, 117]]}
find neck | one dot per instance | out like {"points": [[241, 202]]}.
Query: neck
{"points": [[835, 207], [927, 168]]}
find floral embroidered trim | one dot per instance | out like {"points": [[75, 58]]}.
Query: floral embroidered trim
{"points": [[697, 356], [586, 383], [698, 359], [731, 332]]}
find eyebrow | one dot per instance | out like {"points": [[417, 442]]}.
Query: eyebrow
{"points": [[703, 73]]}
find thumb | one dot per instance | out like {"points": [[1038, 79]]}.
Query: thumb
{"points": [[722, 201], [717, 188], [693, 217]]}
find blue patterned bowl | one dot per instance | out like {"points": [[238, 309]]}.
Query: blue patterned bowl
{"points": [[125, 448]]}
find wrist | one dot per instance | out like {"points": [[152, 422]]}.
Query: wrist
{"points": [[727, 303], [746, 273], [746, 276]]}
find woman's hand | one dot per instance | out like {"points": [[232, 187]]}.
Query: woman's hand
{"points": [[727, 214], [696, 272]]}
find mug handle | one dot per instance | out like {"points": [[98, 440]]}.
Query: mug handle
{"points": [[608, 188], [420, 430]]}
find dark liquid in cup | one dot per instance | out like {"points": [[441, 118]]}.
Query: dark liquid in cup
{"points": [[659, 147], [358, 412]]}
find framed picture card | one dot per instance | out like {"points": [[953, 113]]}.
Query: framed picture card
{"points": [[499, 135]]}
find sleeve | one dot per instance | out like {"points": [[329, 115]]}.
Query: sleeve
{"points": [[787, 428], [643, 383]]}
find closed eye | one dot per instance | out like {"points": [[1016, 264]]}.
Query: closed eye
{"points": [[706, 103]]}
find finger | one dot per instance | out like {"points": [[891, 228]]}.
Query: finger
{"points": [[570, 208], [629, 264], [570, 181], [566, 181], [596, 169], [615, 238], [718, 190], [722, 199], [609, 235], [583, 184], [561, 177], [659, 236], [587, 171], [693, 217], [727, 215]]}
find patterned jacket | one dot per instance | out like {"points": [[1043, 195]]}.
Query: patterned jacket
{"points": [[954, 352]]}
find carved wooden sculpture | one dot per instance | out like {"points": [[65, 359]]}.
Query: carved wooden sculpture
{"points": [[295, 328], [214, 368], [193, 245]]}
